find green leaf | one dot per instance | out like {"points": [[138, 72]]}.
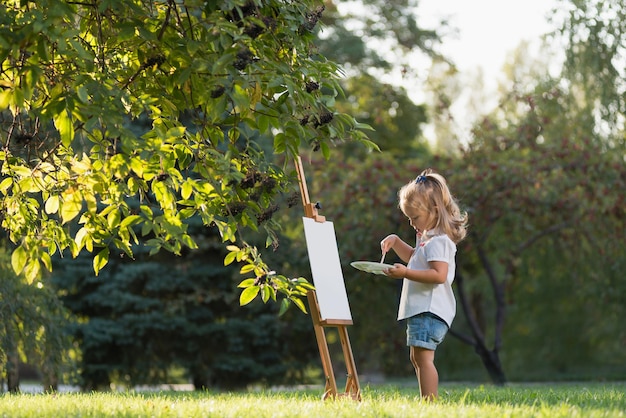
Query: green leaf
{"points": [[246, 269], [187, 189], [266, 293], [189, 242], [299, 304], [63, 123], [21, 171], [52, 205], [138, 166], [6, 183], [71, 207], [80, 236], [246, 283], [230, 257], [264, 123], [47, 261], [248, 295], [280, 143], [175, 132], [82, 94], [113, 218], [5, 98], [19, 259], [325, 150], [130, 220], [32, 270], [100, 260], [284, 305]]}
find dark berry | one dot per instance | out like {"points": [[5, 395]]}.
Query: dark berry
{"points": [[253, 30], [324, 118], [268, 184], [250, 180], [245, 10], [244, 57], [237, 207], [217, 91], [311, 86], [267, 214], [293, 200], [155, 60], [23, 137]]}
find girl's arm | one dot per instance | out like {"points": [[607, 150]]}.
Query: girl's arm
{"points": [[436, 274], [395, 243]]}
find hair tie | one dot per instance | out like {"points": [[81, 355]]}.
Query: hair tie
{"points": [[420, 179]]}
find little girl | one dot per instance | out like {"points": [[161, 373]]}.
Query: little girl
{"points": [[427, 300]]}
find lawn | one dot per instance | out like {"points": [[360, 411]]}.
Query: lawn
{"points": [[456, 400]]}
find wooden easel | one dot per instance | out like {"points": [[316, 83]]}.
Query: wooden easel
{"points": [[353, 388]]}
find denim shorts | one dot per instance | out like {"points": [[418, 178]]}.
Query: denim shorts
{"points": [[425, 330]]}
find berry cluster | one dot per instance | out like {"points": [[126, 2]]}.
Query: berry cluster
{"points": [[267, 214], [237, 208], [311, 86], [152, 61], [324, 118], [312, 18], [293, 200], [244, 57]]}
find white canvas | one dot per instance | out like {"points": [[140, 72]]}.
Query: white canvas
{"points": [[330, 289]]}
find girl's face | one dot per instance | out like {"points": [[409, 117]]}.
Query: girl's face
{"points": [[420, 219]]}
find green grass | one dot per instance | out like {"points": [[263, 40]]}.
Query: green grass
{"points": [[456, 400]]}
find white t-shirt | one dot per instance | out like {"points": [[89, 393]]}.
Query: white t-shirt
{"points": [[435, 298]]}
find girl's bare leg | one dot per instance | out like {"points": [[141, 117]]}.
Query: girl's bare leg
{"points": [[427, 376]]}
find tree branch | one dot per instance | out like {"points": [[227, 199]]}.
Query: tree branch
{"points": [[465, 338], [554, 228], [170, 5], [479, 337], [498, 294]]}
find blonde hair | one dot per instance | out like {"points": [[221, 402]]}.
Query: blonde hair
{"points": [[430, 192]]}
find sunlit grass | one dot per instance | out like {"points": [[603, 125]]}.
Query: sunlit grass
{"points": [[456, 400]]}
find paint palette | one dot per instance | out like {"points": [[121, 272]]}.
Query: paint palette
{"points": [[371, 266]]}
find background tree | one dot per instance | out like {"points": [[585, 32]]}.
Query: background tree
{"points": [[378, 37], [549, 163], [534, 180], [396, 119], [595, 35], [157, 319], [34, 329], [557, 155], [213, 81], [377, 44]]}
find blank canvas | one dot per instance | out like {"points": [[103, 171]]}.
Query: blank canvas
{"points": [[330, 289]]}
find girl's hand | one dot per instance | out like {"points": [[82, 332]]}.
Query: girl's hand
{"points": [[387, 243], [398, 271]]}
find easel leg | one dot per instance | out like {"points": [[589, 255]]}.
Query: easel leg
{"points": [[320, 335], [353, 388]]}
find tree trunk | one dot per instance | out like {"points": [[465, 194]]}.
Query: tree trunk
{"points": [[13, 370], [50, 377], [491, 361], [490, 358]]}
